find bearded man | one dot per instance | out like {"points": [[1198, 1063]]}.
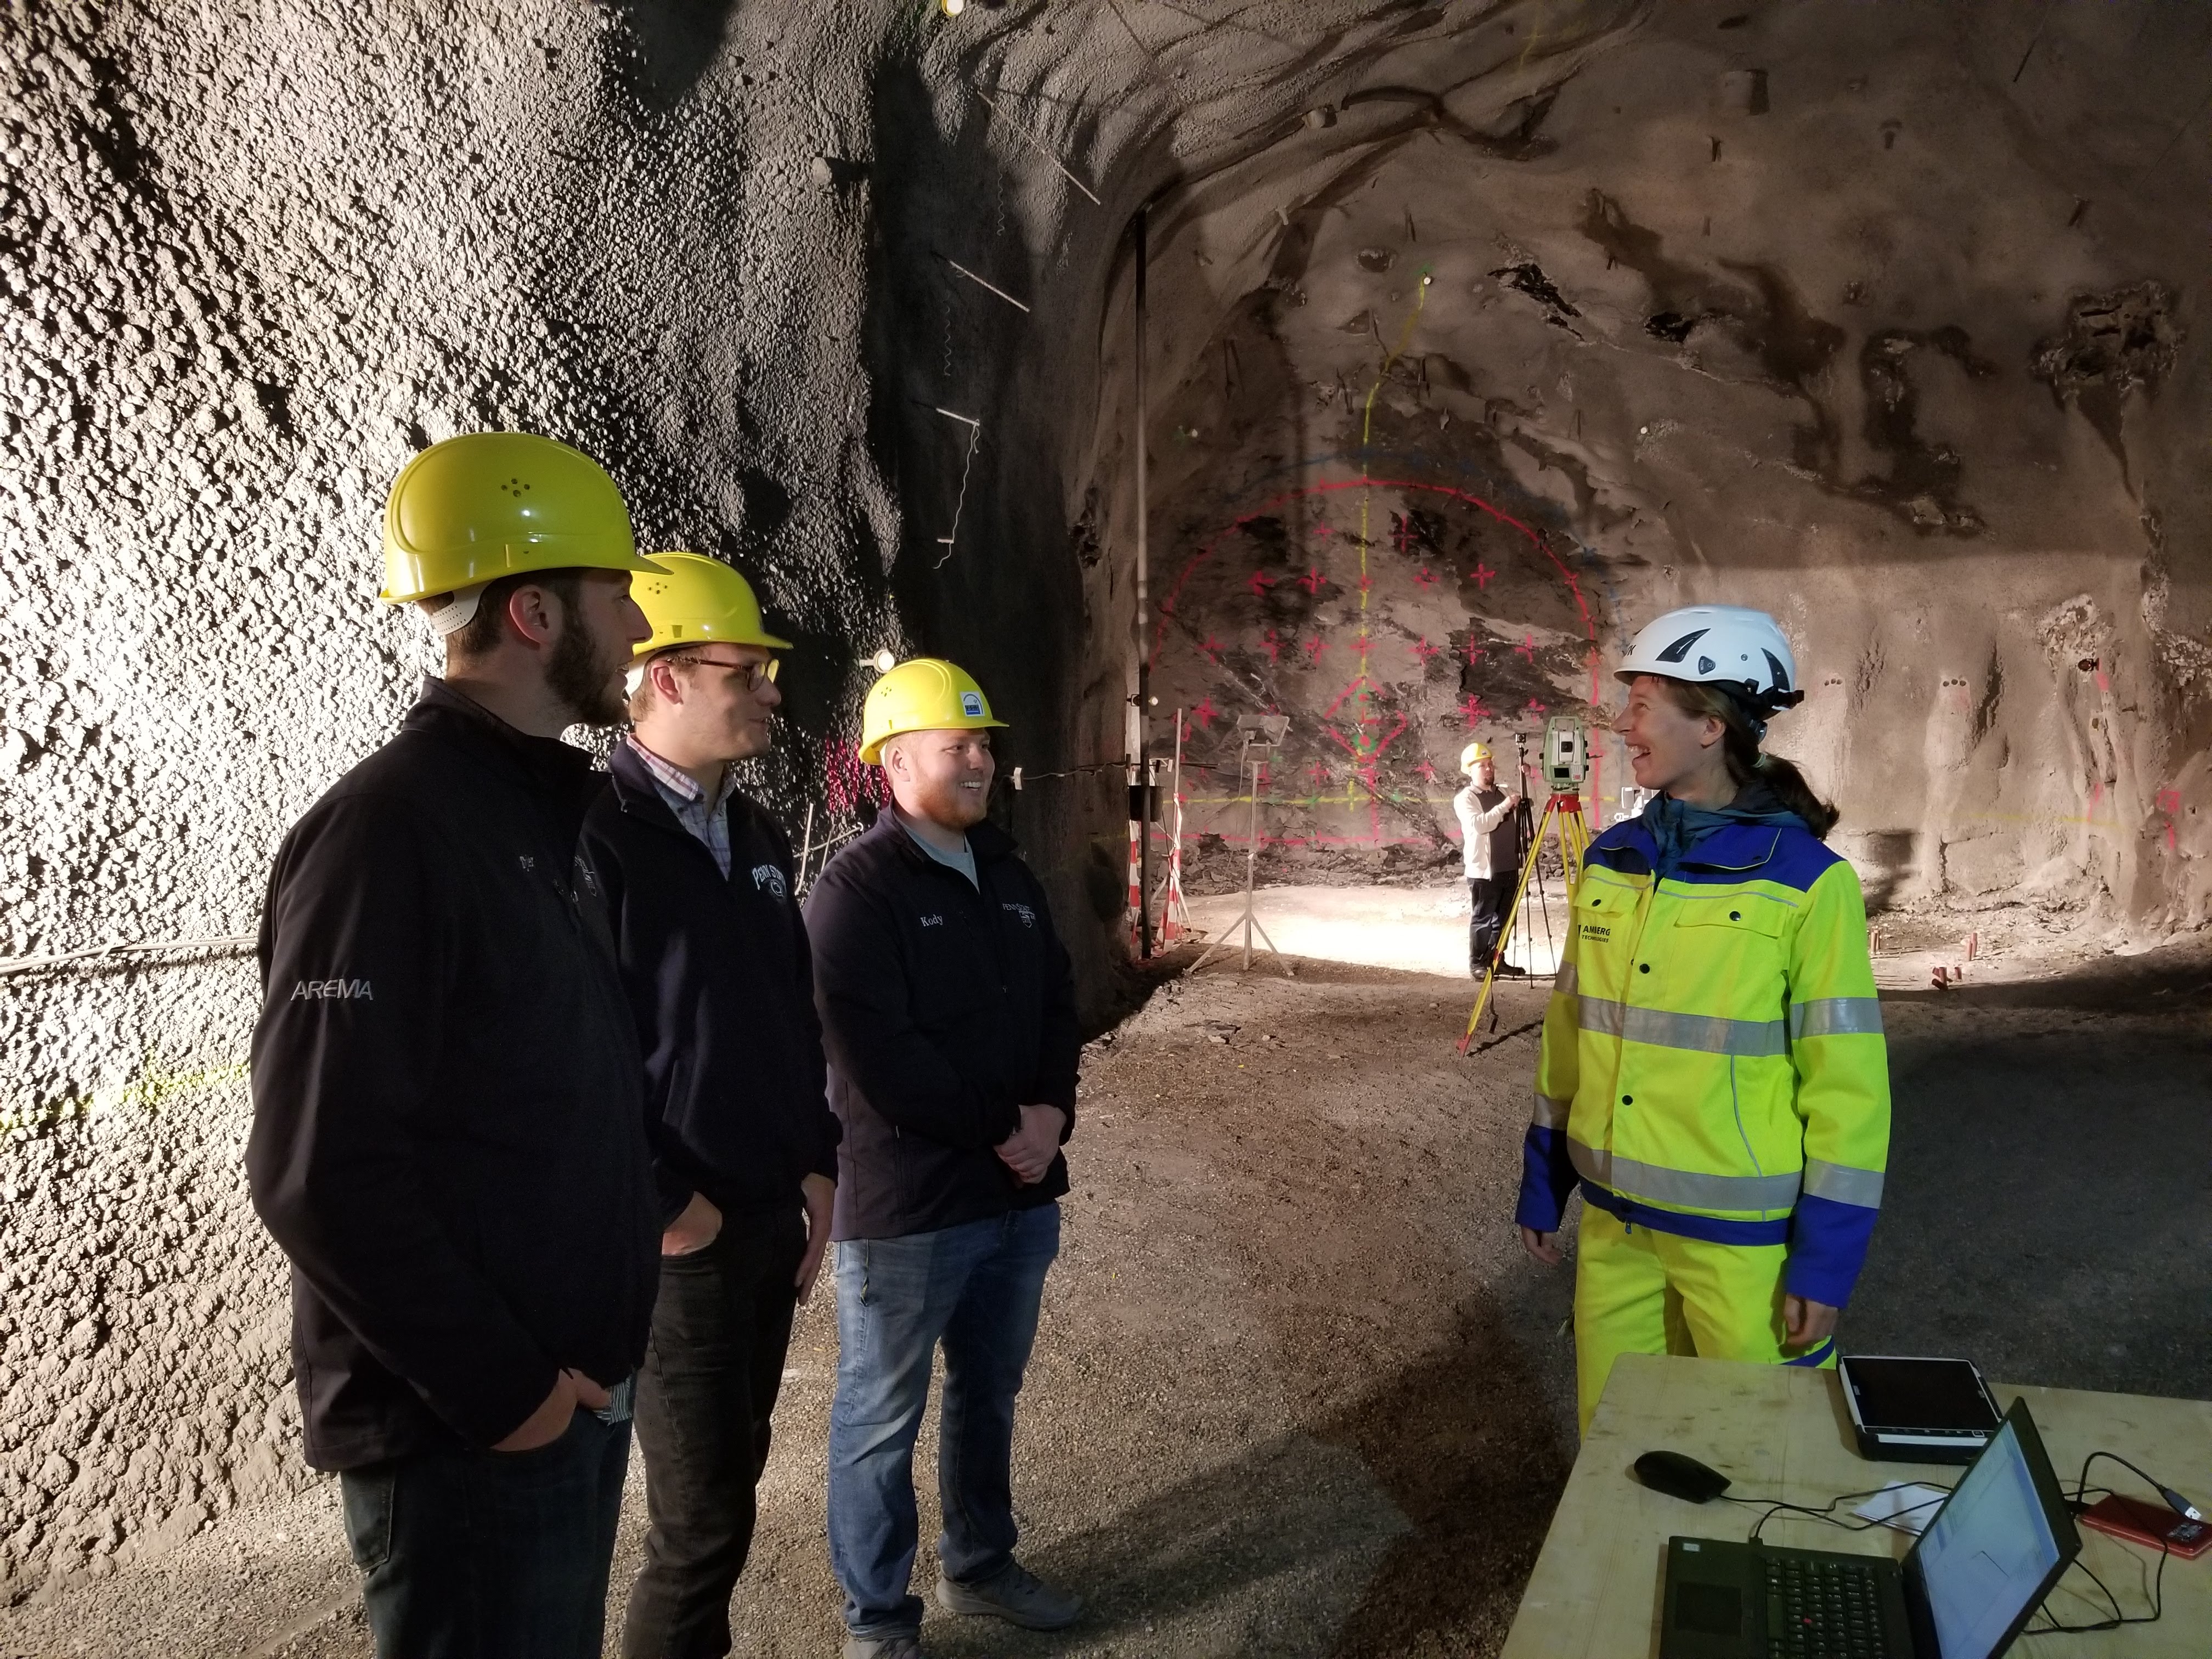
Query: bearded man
{"points": [[449, 1110]]}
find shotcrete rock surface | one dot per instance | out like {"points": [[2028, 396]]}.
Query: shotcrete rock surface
{"points": [[1932, 386]]}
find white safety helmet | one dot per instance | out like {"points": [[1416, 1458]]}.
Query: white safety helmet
{"points": [[1730, 645]]}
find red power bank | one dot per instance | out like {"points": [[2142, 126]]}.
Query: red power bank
{"points": [[2149, 1524]]}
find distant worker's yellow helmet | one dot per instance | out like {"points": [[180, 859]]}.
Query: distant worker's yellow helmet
{"points": [[1472, 756], [927, 694], [693, 600], [490, 504]]}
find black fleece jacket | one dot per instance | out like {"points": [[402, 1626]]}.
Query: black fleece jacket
{"points": [[448, 1136], [721, 986], [945, 1011]]}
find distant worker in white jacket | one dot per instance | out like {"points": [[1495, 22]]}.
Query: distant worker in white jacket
{"points": [[1490, 831]]}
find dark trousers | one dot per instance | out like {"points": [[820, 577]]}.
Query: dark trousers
{"points": [[1491, 899], [490, 1555], [721, 1328]]}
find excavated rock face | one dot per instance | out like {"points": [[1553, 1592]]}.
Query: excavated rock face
{"points": [[1771, 305], [1479, 333]]}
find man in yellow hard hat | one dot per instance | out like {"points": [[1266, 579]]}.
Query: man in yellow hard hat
{"points": [[448, 1135], [703, 900], [949, 1010], [1489, 852]]}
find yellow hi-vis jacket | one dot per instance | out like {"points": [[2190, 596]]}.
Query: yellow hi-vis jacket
{"points": [[1713, 1063]]}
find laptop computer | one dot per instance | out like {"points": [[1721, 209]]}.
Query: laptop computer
{"points": [[1983, 1563]]}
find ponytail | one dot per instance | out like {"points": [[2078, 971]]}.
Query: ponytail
{"points": [[1746, 761]]}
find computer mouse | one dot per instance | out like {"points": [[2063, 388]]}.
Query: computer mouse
{"points": [[1679, 1475]]}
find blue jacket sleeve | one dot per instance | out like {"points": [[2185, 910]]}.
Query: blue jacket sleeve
{"points": [[1547, 1175]]}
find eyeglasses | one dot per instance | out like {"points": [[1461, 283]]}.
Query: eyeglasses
{"points": [[757, 674]]}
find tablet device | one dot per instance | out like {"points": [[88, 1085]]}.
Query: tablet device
{"points": [[1909, 1410]]}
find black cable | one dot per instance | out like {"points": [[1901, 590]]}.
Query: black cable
{"points": [[2158, 1579], [1774, 1506]]}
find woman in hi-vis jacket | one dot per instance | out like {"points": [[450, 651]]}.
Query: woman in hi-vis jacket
{"points": [[1712, 1075]]}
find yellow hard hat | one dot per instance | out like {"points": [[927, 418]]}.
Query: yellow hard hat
{"points": [[1472, 756], [694, 600], [491, 504], [927, 694]]}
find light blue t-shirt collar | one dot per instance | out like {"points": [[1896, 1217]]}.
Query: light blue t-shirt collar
{"points": [[963, 860]]}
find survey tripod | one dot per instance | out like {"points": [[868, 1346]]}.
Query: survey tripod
{"points": [[1262, 735], [1564, 747]]}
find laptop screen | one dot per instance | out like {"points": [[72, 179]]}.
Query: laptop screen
{"points": [[1986, 1556]]}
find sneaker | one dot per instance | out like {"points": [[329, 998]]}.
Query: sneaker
{"points": [[1017, 1596], [884, 1647]]}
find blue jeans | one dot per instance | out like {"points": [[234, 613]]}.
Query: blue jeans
{"points": [[975, 1288], [490, 1555]]}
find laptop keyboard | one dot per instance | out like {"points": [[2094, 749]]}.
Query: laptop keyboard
{"points": [[1823, 1609]]}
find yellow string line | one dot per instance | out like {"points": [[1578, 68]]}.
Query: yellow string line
{"points": [[1366, 426]]}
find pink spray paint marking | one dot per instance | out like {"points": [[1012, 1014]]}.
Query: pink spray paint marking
{"points": [[1471, 708]]}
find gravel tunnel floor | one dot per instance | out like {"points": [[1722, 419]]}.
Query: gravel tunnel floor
{"points": [[1298, 1393]]}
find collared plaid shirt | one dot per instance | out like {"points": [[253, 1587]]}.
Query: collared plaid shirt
{"points": [[707, 816]]}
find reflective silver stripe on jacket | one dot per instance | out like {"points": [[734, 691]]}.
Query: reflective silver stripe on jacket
{"points": [[1564, 983], [1550, 1114], [1710, 1034], [1836, 1017], [1842, 1184], [1694, 1192]]}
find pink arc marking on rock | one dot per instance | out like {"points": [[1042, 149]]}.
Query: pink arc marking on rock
{"points": [[1481, 574], [2169, 802]]}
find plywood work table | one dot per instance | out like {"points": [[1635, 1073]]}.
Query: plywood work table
{"points": [[1783, 1432]]}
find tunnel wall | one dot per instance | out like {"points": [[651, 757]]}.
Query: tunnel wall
{"points": [[250, 259]]}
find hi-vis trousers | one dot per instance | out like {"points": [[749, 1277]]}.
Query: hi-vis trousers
{"points": [[1638, 1291]]}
